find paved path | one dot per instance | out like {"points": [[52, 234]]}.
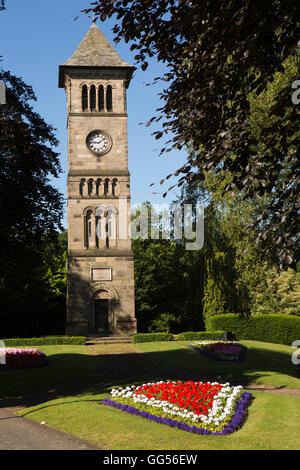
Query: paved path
{"points": [[19, 433]]}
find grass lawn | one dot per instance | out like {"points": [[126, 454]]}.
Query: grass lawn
{"points": [[265, 363], [83, 416], [65, 362], [272, 422]]}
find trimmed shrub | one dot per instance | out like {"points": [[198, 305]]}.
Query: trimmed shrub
{"points": [[281, 329], [151, 337], [44, 341], [199, 335]]}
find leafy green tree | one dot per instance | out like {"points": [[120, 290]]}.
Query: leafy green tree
{"points": [[212, 275], [249, 260], [160, 285], [219, 287], [239, 214], [172, 284], [278, 294], [38, 305], [53, 269]]}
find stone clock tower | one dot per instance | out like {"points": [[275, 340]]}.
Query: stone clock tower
{"points": [[100, 278]]}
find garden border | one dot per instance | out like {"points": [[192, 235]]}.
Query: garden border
{"points": [[240, 357], [237, 420]]}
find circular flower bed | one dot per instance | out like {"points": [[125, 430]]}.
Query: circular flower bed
{"points": [[221, 350], [19, 358], [198, 407]]}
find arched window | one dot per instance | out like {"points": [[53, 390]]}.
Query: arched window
{"points": [[88, 228], [101, 98], [93, 98], [114, 184], [81, 185], [84, 95], [109, 103]]}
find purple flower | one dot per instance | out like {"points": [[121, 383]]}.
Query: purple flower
{"points": [[234, 424]]}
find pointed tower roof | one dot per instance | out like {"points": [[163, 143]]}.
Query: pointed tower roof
{"points": [[94, 51]]}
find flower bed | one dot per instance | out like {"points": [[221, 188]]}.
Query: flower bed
{"points": [[19, 358], [197, 407], [221, 350]]}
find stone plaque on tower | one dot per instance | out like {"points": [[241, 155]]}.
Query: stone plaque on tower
{"points": [[95, 80]]}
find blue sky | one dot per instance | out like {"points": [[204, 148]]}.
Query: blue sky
{"points": [[35, 38]]}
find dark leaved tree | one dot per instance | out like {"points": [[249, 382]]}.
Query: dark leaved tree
{"points": [[30, 207], [217, 54]]}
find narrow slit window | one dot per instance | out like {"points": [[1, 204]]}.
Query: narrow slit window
{"points": [[98, 230], [84, 94], [101, 98], [93, 97], [109, 103], [98, 184], [88, 228], [106, 184], [107, 232], [90, 186], [82, 183]]}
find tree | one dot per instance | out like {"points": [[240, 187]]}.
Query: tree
{"points": [[249, 260], [2, 7], [174, 287], [217, 53], [160, 274], [30, 207], [238, 215], [211, 270], [160, 285], [219, 288], [36, 305], [278, 294]]}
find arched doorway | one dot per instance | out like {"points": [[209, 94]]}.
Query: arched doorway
{"points": [[102, 316]]}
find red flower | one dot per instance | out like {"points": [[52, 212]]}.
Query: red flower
{"points": [[190, 395]]}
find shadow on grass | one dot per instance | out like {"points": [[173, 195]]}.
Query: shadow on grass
{"points": [[61, 368], [112, 370]]}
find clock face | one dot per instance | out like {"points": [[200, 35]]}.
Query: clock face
{"points": [[99, 142]]}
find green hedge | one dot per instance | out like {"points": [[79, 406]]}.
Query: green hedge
{"points": [[44, 341], [199, 335], [282, 329], [147, 337], [186, 336]]}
